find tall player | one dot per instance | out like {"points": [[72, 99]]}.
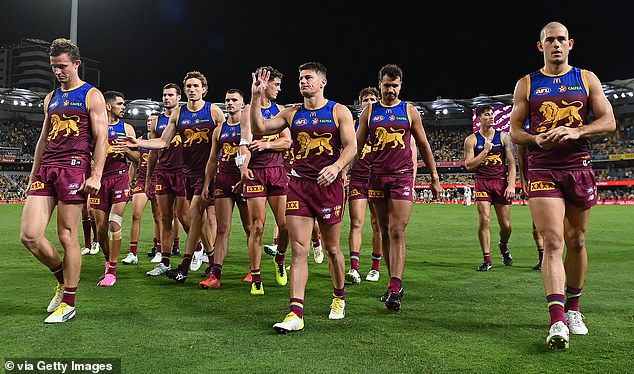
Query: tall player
{"points": [[222, 178], [109, 203], [562, 184], [323, 144], [167, 164], [391, 124], [140, 197], [195, 123], [74, 119], [490, 152], [265, 179]]}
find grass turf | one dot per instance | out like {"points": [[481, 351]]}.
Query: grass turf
{"points": [[453, 319]]}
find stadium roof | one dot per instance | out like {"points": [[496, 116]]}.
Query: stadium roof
{"points": [[440, 111]]}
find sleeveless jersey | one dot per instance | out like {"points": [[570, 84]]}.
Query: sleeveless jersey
{"points": [[170, 158], [361, 168], [143, 159], [316, 140], [116, 163], [558, 100], [390, 134], [494, 164], [70, 137], [196, 129], [267, 158], [228, 142]]}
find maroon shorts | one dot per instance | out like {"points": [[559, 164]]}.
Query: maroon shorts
{"points": [[139, 187], [223, 187], [395, 187], [491, 190], [170, 182], [60, 183], [194, 186], [307, 199], [267, 182], [114, 189], [577, 187], [358, 190]]}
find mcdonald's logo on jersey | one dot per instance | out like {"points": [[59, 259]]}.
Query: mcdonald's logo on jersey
{"points": [[292, 205]]}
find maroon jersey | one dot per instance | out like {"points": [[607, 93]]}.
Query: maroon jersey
{"points": [[316, 140], [390, 134], [554, 101], [196, 129], [267, 158], [360, 170], [494, 164], [70, 134], [116, 163], [171, 158], [228, 141]]}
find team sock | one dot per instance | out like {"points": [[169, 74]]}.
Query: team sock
{"points": [[86, 226], [396, 285], [556, 307], [256, 276], [216, 271], [297, 307], [165, 258], [376, 261], [187, 260], [503, 247], [354, 260], [487, 257], [58, 272], [69, 295], [111, 267], [572, 299], [339, 293], [133, 247]]}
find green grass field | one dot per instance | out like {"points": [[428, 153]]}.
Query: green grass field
{"points": [[453, 319]]}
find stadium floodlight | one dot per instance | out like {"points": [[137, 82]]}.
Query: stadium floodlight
{"points": [[135, 111], [148, 112], [445, 111]]}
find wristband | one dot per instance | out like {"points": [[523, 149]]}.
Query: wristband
{"points": [[240, 160], [243, 142]]}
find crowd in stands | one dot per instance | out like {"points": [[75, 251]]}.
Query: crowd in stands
{"points": [[20, 134], [18, 137]]}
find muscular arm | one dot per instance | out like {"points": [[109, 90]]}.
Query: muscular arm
{"points": [[99, 127], [132, 155], [601, 108], [425, 149], [470, 161], [519, 114], [212, 163], [346, 133], [41, 142], [158, 143], [152, 156], [510, 163]]}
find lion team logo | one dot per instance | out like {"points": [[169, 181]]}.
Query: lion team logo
{"points": [[554, 115], [176, 141], [307, 143], [228, 150], [366, 149], [492, 160], [383, 138], [144, 159], [195, 137], [67, 125]]}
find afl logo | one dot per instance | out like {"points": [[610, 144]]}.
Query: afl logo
{"points": [[301, 122], [73, 186], [542, 91], [185, 122], [378, 118]]}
